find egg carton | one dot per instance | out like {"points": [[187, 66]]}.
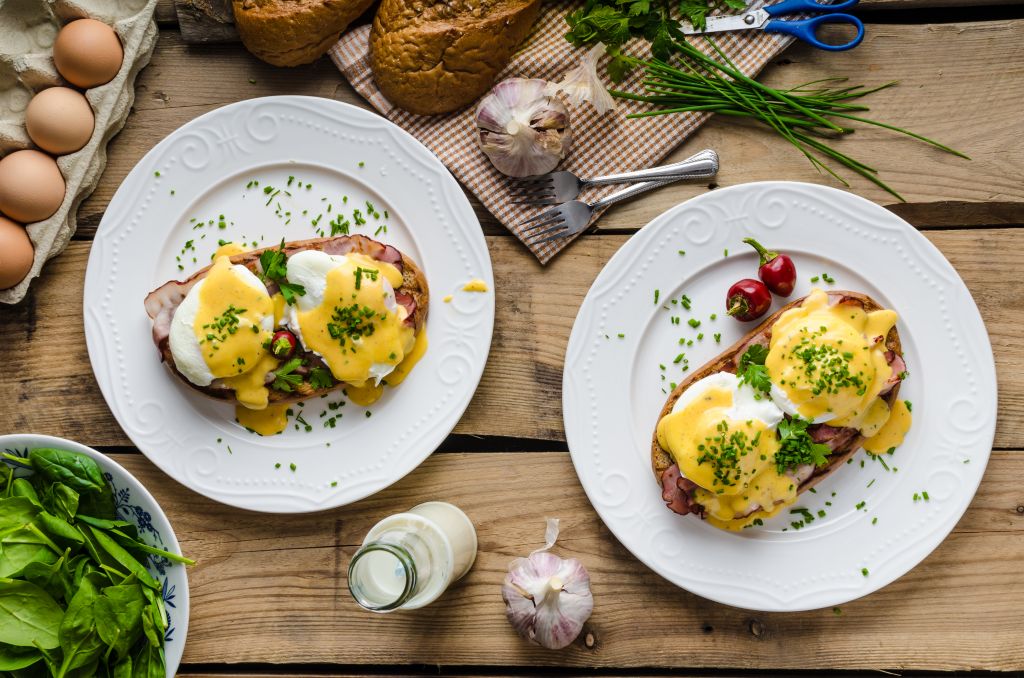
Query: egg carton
{"points": [[28, 29]]}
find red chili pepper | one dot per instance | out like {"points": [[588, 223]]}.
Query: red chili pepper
{"points": [[283, 344], [777, 270], [748, 299]]}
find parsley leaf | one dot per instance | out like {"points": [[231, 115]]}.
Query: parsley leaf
{"points": [[275, 267], [752, 370], [285, 378], [320, 377], [796, 446]]}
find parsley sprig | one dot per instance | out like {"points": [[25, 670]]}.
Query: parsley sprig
{"points": [[275, 267], [796, 446], [752, 370], [320, 377], [285, 378]]}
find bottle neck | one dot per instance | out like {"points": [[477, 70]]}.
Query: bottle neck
{"points": [[382, 576]]}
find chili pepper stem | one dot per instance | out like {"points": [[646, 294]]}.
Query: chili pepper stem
{"points": [[738, 307], [765, 254]]}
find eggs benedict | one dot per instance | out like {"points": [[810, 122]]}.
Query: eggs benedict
{"points": [[266, 328], [747, 433]]}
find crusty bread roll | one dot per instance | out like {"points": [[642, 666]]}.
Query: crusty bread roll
{"points": [[293, 32], [436, 56]]}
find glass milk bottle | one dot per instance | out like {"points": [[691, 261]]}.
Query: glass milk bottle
{"points": [[408, 560]]}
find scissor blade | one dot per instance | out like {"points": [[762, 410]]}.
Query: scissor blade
{"points": [[721, 24]]}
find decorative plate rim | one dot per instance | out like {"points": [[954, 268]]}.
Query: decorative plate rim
{"points": [[236, 138], [609, 481]]}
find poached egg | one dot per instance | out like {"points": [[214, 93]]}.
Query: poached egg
{"points": [[349, 316], [220, 330]]}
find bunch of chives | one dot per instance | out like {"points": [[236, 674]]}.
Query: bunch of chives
{"points": [[806, 116]]}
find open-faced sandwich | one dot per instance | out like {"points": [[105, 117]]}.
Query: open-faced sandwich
{"points": [[266, 328], [783, 408]]}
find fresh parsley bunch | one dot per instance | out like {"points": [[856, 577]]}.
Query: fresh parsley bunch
{"points": [[614, 22]]}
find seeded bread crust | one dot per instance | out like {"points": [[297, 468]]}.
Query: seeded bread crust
{"points": [[436, 56], [661, 459]]}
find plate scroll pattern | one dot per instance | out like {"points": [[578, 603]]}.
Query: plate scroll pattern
{"points": [[955, 422], [253, 134]]}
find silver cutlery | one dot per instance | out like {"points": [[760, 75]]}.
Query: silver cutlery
{"points": [[559, 187], [571, 217]]}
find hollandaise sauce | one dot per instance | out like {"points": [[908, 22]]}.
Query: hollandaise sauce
{"points": [[829, 360], [229, 324], [359, 329], [731, 460], [890, 435]]}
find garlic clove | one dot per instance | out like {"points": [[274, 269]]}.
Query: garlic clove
{"points": [[583, 84]]}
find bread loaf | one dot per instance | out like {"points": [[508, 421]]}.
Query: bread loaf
{"points": [[436, 56], [293, 32]]}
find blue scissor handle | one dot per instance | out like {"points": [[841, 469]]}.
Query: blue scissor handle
{"points": [[797, 6], [805, 29]]}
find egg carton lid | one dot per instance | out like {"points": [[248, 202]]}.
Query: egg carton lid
{"points": [[28, 29]]}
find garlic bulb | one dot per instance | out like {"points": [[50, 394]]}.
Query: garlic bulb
{"points": [[584, 84], [521, 129], [547, 599]]}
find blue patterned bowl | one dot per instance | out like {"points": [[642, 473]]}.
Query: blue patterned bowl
{"points": [[136, 504]]}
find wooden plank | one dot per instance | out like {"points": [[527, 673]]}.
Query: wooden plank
{"points": [[272, 589], [947, 86], [50, 389]]}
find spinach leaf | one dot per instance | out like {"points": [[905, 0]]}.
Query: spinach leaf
{"points": [[54, 578], [119, 612], [13, 658], [122, 669], [60, 531], [79, 639], [77, 471], [23, 488], [15, 556], [98, 504], [125, 559], [149, 662], [16, 512], [29, 616], [61, 500]]}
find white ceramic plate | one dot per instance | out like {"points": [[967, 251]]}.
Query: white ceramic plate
{"points": [[201, 172], [135, 504], [613, 392]]}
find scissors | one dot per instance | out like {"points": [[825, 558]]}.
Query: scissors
{"points": [[764, 20]]}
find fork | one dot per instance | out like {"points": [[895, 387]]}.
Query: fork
{"points": [[569, 218], [559, 187]]}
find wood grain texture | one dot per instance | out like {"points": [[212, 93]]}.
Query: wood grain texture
{"points": [[949, 90], [272, 589], [50, 389]]}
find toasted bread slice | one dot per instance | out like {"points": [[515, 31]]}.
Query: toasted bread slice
{"points": [[728, 361], [162, 302]]}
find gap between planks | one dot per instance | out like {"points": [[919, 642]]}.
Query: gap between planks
{"points": [[949, 91], [272, 589], [522, 380]]}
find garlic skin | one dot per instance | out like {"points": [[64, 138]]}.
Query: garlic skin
{"points": [[583, 84], [522, 130], [547, 598]]}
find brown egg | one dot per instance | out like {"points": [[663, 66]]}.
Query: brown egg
{"points": [[31, 186], [15, 253], [87, 53], [59, 120]]}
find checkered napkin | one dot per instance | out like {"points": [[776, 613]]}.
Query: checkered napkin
{"points": [[601, 144]]}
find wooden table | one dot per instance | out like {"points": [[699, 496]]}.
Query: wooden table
{"points": [[269, 593]]}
